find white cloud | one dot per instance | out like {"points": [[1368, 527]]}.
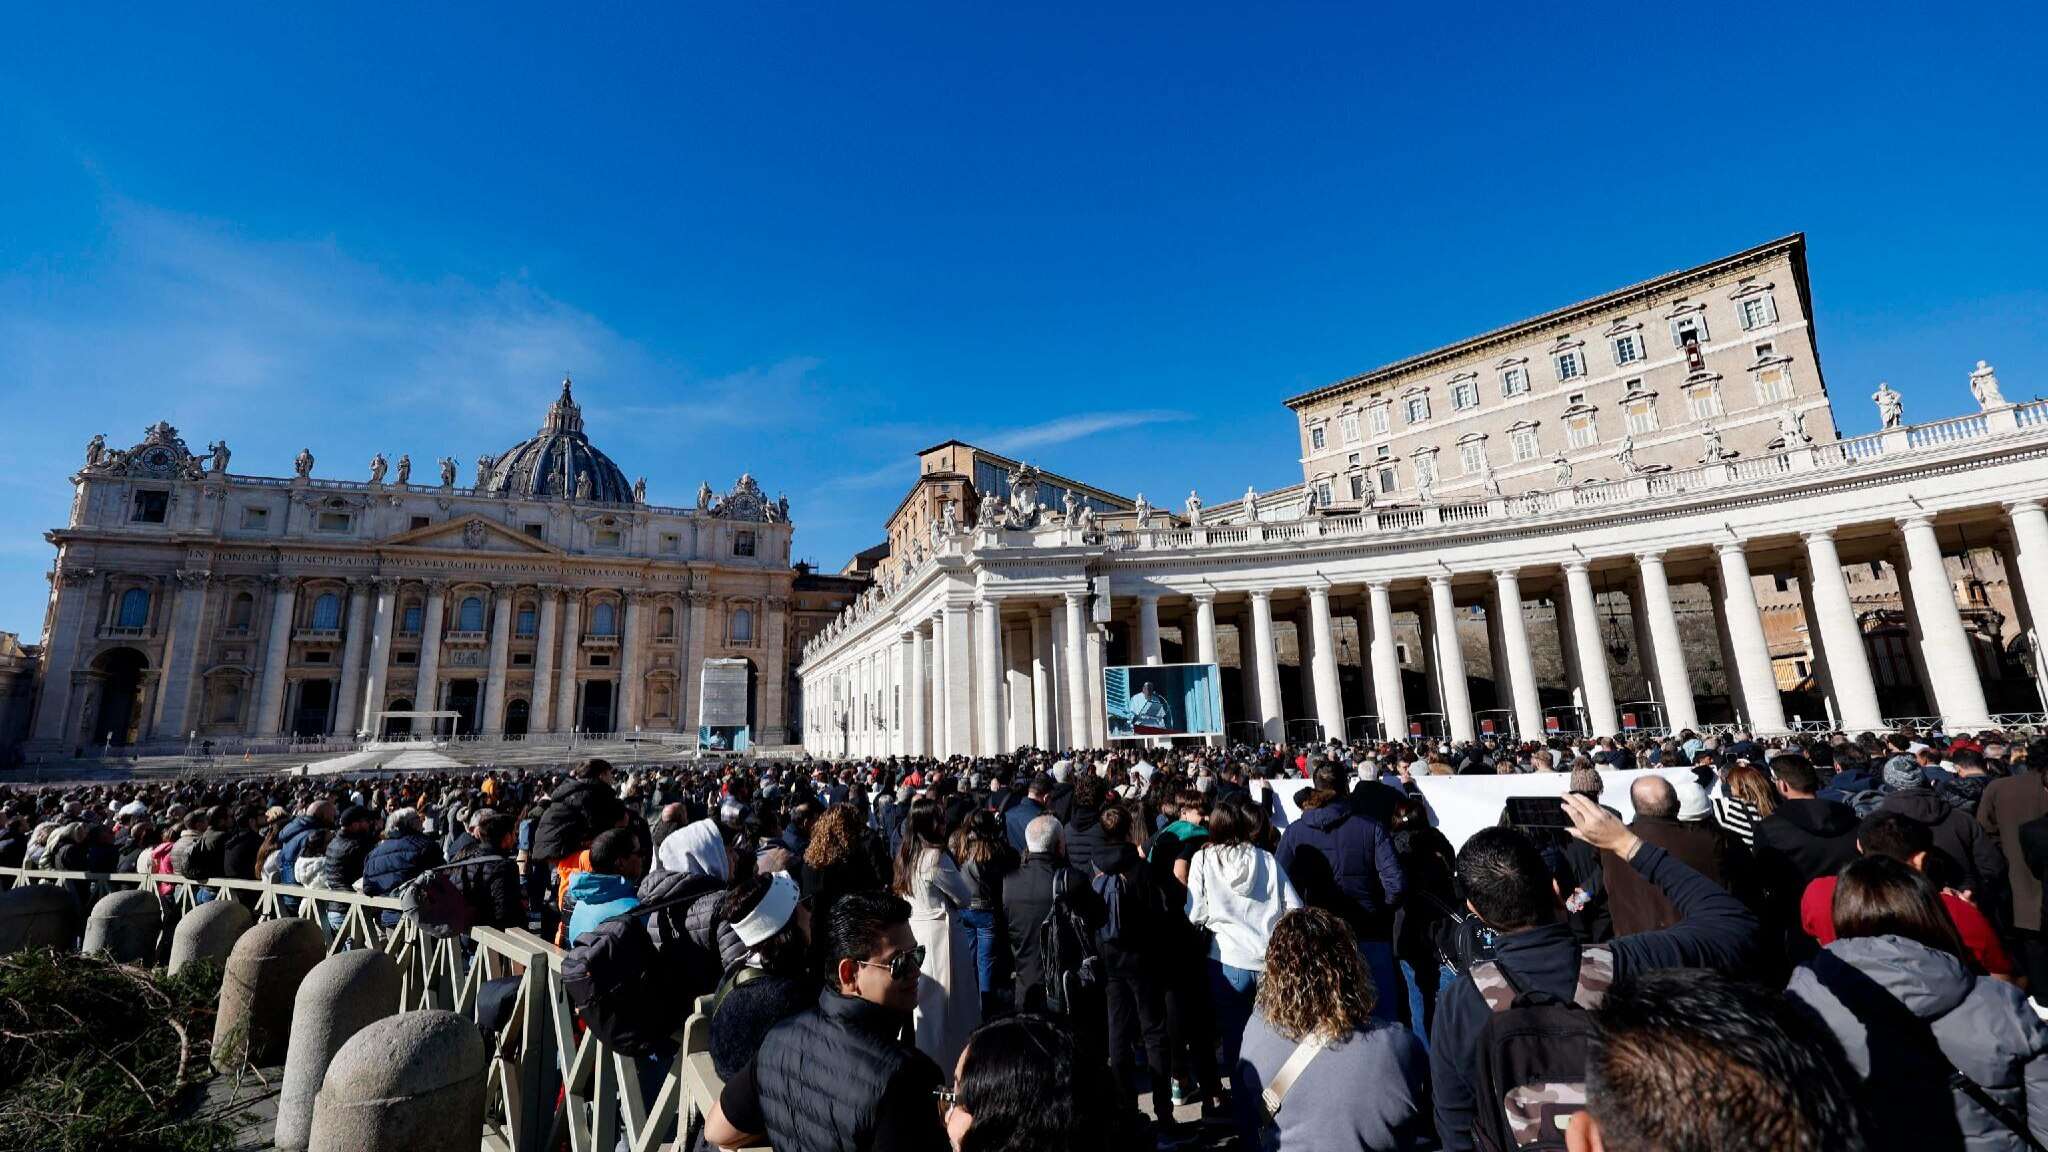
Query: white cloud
{"points": [[1076, 427]]}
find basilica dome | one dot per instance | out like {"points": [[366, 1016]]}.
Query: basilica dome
{"points": [[558, 461]]}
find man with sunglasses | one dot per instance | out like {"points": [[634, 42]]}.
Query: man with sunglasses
{"points": [[841, 1076]]}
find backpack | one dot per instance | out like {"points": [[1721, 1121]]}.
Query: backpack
{"points": [[1070, 964], [436, 903], [617, 984], [1116, 931], [1866, 802], [1532, 1055]]}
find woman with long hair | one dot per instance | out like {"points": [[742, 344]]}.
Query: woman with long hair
{"points": [[843, 857], [1316, 994], [1744, 797], [983, 850], [1899, 989], [949, 995], [1019, 1086]]}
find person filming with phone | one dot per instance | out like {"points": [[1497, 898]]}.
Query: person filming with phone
{"points": [[1539, 966]]}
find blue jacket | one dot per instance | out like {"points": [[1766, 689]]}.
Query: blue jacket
{"points": [[1021, 814], [1343, 862], [396, 860], [291, 840], [598, 896]]}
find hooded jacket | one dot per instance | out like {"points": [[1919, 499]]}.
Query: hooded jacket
{"points": [[1341, 861], [576, 812], [1983, 1027], [1804, 839], [599, 896], [1238, 892], [697, 847], [291, 841], [1955, 832], [1141, 941]]}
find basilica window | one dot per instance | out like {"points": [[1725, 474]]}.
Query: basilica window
{"points": [[411, 619], [604, 620], [529, 620], [240, 610], [255, 519], [743, 544], [741, 630], [470, 617], [151, 507], [334, 522], [608, 538], [227, 703], [327, 612], [665, 622], [134, 609]]}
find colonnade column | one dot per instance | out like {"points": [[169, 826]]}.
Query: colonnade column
{"points": [[1076, 604], [1520, 660], [628, 716], [426, 694], [538, 716], [1674, 680], [493, 723], [1450, 658], [572, 639], [379, 657], [1148, 629], [1841, 638], [1944, 645], [182, 660], [1388, 698], [352, 645], [916, 740], [2030, 561], [693, 658], [959, 705], [1205, 640], [941, 741], [1041, 679], [1750, 649], [1272, 724], [1329, 695], [1592, 657], [277, 649]]}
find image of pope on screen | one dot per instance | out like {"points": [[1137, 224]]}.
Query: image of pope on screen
{"points": [[1162, 700]]}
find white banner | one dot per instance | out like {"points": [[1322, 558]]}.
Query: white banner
{"points": [[1465, 804]]}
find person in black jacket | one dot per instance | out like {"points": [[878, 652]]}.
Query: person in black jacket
{"points": [[1083, 831], [577, 811], [1027, 900], [490, 886], [839, 1075], [1134, 970], [774, 981], [239, 841]]}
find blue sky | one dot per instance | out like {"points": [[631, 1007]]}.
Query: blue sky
{"points": [[806, 241]]}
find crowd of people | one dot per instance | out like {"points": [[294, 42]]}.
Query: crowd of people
{"points": [[1795, 942]]}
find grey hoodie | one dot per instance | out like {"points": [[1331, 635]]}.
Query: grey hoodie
{"points": [[1984, 1027]]}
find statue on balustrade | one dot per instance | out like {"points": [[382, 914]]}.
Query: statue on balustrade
{"points": [[1712, 451], [219, 451], [1891, 407], [1984, 386], [96, 451], [1308, 502], [583, 486], [1251, 504], [404, 469], [1625, 455], [484, 464], [1194, 509], [1144, 512], [1792, 428], [1087, 518], [704, 496], [378, 465], [1072, 504], [949, 520], [988, 513], [447, 471], [640, 490], [303, 466], [1563, 479]]}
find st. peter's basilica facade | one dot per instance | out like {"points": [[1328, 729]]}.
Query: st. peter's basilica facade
{"points": [[191, 602]]}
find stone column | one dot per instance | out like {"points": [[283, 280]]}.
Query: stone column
{"points": [[572, 640], [181, 660], [693, 658], [1752, 651], [1840, 638], [941, 741], [1944, 644], [71, 584], [1329, 694], [380, 656], [990, 677], [1041, 679], [1098, 704], [909, 672], [1077, 669], [1272, 724], [2029, 568], [1205, 640], [277, 648], [539, 715], [1450, 658], [426, 694], [493, 722], [352, 645], [1388, 699], [1148, 628], [772, 640], [1248, 664], [1519, 658], [629, 664], [1674, 679], [959, 701], [1595, 681]]}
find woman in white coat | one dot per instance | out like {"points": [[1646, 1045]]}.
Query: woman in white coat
{"points": [[949, 994]]}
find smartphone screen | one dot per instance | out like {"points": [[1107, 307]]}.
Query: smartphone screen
{"points": [[1537, 812]]}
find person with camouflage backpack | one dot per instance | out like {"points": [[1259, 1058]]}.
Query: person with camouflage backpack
{"points": [[1501, 873]]}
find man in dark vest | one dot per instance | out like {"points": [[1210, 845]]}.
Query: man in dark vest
{"points": [[840, 1077]]}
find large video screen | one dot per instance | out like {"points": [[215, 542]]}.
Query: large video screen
{"points": [[1146, 700]]}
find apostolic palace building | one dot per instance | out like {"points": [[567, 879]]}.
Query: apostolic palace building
{"points": [[191, 602], [1632, 513]]}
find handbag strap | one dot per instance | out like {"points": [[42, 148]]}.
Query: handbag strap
{"points": [[1298, 1061]]}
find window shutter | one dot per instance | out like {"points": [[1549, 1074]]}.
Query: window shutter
{"points": [[1770, 309]]}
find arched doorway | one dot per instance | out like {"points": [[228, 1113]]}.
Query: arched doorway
{"points": [[398, 727], [516, 714], [597, 706], [120, 713], [316, 708], [464, 696]]}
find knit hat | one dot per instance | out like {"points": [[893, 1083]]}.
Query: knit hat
{"points": [[1692, 799], [1902, 772], [1586, 779]]}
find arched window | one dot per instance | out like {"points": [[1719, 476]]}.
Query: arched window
{"points": [[240, 610], [742, 626], [665, 623], [227, 706], [471, 616], [604, 620], [135, 608], [529, 620], [411, 618], [661, 703], [327, 612]]}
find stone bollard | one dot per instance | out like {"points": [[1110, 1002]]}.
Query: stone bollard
{"points": [[37, 915], [414, 1081], [341, 996], [264, 972], [126, 926], [209, 933]]}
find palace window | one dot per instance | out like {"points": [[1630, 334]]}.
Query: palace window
{"points": [[1352, 460], [1380, 418], [1759, 311], [743, 544], [134, 609], [1472, 456], [1347, 425], [1324, 495], [1465, 393], [1581, 431], [1642, 415], [604, 620], [528, 621], [1522, 441], [151, 507], [1514, 381], [1570, 365], [1773, 384], [1628, 349], [1703, 401], [470, 617], [1358, 485], [1315, 437], [327, 612], [741, 630], [1383, 452], [1418, 408], [1690, 328], [1390, 479]]}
